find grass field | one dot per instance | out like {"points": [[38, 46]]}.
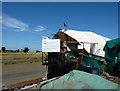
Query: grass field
{"points": [[14, 58], [21, 63]]}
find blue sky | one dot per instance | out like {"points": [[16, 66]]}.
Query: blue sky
{"points": [[25, 23]]}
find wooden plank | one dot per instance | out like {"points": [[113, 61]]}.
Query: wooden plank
{"points": [[88, 43], [71, 41], [22, 84]]}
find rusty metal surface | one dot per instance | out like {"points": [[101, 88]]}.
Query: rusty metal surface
{"points": [[22, 84]]}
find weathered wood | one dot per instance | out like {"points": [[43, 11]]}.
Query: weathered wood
{"points": [[71, 41]]}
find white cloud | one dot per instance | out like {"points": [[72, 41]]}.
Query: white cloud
{"points": [[0, 22], [39, 28], [14, 24], [0, 19], [20, 30], [17, 25]]}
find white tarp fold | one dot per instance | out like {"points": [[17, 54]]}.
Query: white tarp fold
{"points": [[88, 37]]}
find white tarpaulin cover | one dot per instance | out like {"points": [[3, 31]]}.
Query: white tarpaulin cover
{"points": [[90, 37]]}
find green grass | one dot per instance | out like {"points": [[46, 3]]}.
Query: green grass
{"points": [[14, 58]]}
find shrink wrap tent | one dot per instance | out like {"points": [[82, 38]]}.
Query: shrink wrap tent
{"points": [[112, 55], [81, 80], [88, 38]]}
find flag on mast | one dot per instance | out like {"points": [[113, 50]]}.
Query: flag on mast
{"points": [[65, 25]]}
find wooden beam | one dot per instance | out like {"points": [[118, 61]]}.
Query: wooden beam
{"points": [[88, 43], [71, 41]]}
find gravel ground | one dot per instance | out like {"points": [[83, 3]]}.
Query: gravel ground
{"points": [[22, 68]]}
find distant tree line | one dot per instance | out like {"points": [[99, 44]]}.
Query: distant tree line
{"points": [[37, 51], [3, 49], [25, 50]]}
